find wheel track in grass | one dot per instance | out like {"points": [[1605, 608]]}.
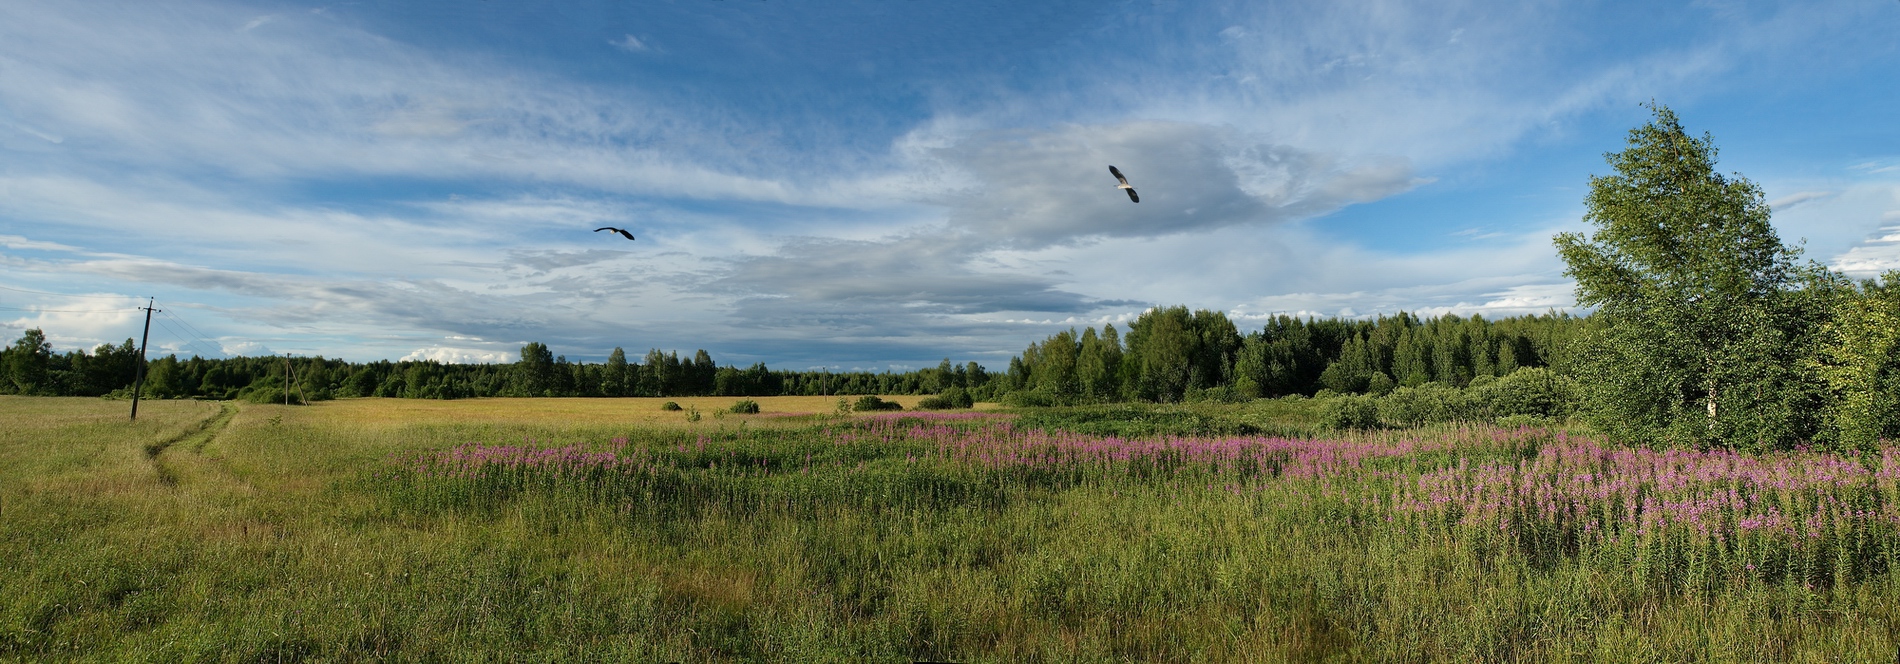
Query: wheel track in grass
{"points": [[198, 435]]}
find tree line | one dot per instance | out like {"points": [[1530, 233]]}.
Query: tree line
{"points": [[30, 367], [1169, 355], [1173, 354]]}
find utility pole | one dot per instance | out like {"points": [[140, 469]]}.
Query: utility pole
{"points": [[138, 383], [290, 377]]}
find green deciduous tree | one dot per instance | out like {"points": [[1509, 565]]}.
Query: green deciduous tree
{"points": [[700, 374], [1700, 322], [1098, 364], [615, 379], [1859, 360], [1054, 371], [534, 375], [29, 363], [1170, 351]]}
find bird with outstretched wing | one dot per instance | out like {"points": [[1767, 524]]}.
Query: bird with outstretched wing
{"points": [[1124, 184], [616, 230]]}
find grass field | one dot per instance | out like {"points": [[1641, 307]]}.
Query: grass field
{"points": [[610, 530]]}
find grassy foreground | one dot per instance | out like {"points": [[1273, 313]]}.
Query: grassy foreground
{"points": [[608, 530]]}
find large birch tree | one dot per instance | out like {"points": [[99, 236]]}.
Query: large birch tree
{"points": [[1702, 315]]}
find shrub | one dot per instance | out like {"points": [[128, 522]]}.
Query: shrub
{"points": [[1425, 404], [670, 405], [1533, 391], [1029, 399], [268, 394], [870, 402], [1349, 412], [954, 397], [1338, 378], [1380, 384], [1222, 394], [745, 407]]}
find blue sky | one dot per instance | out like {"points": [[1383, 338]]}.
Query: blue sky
{"points": [[871, 183]]}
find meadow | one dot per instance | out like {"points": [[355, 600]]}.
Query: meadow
{"points": [[611, 530]]}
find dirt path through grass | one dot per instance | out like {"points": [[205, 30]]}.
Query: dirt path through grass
{"points": [[195, 438]]}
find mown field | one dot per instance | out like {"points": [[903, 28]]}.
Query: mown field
{"points": [[610, 530]]}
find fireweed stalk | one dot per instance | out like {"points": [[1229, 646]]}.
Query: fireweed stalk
{"points": [[1678, 521]]}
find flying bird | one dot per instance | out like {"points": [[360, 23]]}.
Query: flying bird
{"points": [[1124, 184], [616, 230]]}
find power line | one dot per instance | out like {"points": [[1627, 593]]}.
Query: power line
{"points": [[22, 290], [218, 348], [181, 321], [188, 339]]}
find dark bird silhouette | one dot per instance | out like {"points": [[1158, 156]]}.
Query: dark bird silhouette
{"points": [[616, 230], [1124, 184]]}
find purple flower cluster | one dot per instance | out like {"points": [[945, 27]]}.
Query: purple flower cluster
{"points": [[1616, 492], [1003, 445]]}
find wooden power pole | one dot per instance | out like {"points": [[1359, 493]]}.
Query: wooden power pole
{"points": [[138, 383]]}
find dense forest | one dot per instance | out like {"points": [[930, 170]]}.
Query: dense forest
{"points": [[1706, 331], [1168, 355], [1172, 354], [29, 366]]}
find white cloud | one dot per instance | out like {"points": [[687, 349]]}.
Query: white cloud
{"points": [[1039, 188], [76, 323], [1383, 78], [327, 99], [630, 44], [1791, 200], [246, 348], [449, 355], [50, 138], [17, 242], [1844, 228]]}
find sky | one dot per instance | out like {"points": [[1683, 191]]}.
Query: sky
{"points": [[872, 184]]}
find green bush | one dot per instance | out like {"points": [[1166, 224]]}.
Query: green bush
{"points": [[267, 394], [1030, 399], [1528, 395], [1532, 391], [954, 397], [1349, 412], [1338, 378], [670, 405], [1222, 394], [1140, 420], [1380, 384], [1425, 404], [870, 402], [745, 407]]}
